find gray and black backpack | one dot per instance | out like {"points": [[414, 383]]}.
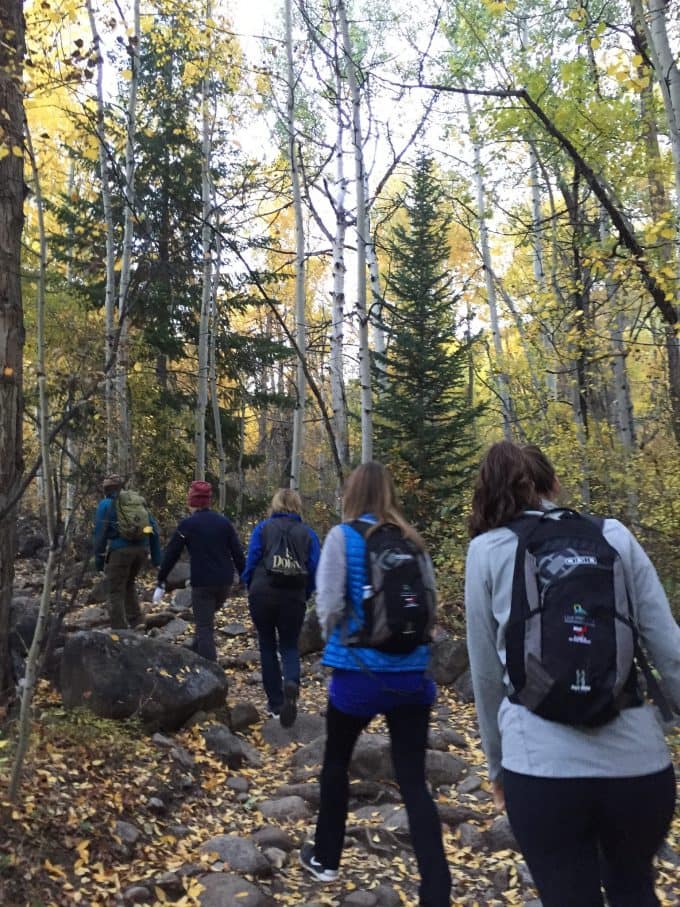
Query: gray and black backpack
{"points": [[399, 600], [571, 639]]}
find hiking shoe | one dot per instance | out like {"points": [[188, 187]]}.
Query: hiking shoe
{"points": [[311, 864], [289, 707], [272, 713]]}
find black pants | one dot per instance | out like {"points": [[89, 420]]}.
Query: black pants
{"points": [[205, 600], [278, 621], [407, 727], [579, 834]]}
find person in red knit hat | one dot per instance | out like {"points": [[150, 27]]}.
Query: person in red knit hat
{"points": [[215, 551]]}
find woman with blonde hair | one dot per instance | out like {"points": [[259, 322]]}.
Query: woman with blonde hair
{"points": [[283, 554], [368, 681]]}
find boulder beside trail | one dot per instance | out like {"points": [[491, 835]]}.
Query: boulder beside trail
{"points": [[118, 674]]}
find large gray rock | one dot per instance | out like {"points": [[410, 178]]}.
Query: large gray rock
{"points": [[310, 636], [178, 576], [238, 854], [449, 659], [120, 674], [234, 750], [221, 889]]}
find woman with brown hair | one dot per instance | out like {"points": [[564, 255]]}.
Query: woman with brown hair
{"points": [[367, 681], [590, 801], [283, 553]]}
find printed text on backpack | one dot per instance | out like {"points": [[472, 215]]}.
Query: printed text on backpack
{"points": [[570, 640], [399, 600], [286, 550]]}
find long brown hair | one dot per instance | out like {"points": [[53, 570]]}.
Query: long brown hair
{"points": [[370, 489], [541, 470], [504, 488]]}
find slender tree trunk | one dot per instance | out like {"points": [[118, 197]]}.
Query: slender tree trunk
{"points": [[212, 365], [207, 281], [501, 376], [11, 312], [110, 290], [32, 661], [300, 270], [337, 368], [362, 239], [125, 459], [652, 27]]}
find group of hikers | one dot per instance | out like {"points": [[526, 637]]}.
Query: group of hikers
{"points": [[562, 612]]}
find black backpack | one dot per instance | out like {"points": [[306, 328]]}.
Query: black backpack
{"points": [[399, 600], [286, 545], [571, 640]]}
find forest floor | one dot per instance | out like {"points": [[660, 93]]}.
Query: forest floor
{"points": [[83, 774]]}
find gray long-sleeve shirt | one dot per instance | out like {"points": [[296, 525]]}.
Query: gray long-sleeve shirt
{"points": [[519, 740]]}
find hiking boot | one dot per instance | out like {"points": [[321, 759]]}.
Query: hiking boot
{"points": [[289, 707], [311, 864]]}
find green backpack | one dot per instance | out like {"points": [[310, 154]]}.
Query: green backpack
{"points": [[132, 516]]}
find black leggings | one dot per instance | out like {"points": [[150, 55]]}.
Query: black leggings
{"points": [[579, 834], [407, 725]]}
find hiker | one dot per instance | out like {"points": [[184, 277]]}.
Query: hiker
{"points": [[283, 554], [582, 769], [214, 551], [367, 681], [125, 533]]}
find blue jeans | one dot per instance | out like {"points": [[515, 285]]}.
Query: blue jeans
{"points": [[278, 622], [407, 726], [205, 600]]}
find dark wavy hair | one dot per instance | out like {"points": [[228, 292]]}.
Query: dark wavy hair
{"points": [[541, 469], [504, 488]]}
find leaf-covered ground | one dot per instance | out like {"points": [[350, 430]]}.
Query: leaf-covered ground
{"points": [[58, 845]]}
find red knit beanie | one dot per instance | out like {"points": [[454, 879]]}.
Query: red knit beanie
{"points": [[200, 494]]}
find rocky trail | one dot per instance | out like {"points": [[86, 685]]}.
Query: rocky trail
{"points": [[211, 811]]}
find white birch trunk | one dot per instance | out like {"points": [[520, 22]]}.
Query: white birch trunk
{"points": [[110, 290], [537, 255], [337, 339], [668, 78], [300, 325], [125, 428], [379, 337], [207, 279], [359, 182], [501, 378], [32, 661], [212, 365]]}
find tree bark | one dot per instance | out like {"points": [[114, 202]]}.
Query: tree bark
{"points": [[362, 239], [110, 290], [300, 271], [11, 311], [501, 376], [125, 459]]}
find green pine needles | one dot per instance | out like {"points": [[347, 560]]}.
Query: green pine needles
{"points": [[424, 412]]}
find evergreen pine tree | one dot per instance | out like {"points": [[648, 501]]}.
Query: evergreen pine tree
{"points": [[424, 418]]}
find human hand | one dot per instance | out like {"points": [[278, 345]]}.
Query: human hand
{"points": [[498, 795], [158, 594]]}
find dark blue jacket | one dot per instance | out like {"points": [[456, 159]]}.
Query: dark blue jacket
{"points": [[106, 534], [256, 552], [214, 549]]}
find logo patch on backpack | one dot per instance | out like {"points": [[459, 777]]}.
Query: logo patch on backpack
{"points": [[286, 549], [132, 516], [570, 639], [399, 602]]}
